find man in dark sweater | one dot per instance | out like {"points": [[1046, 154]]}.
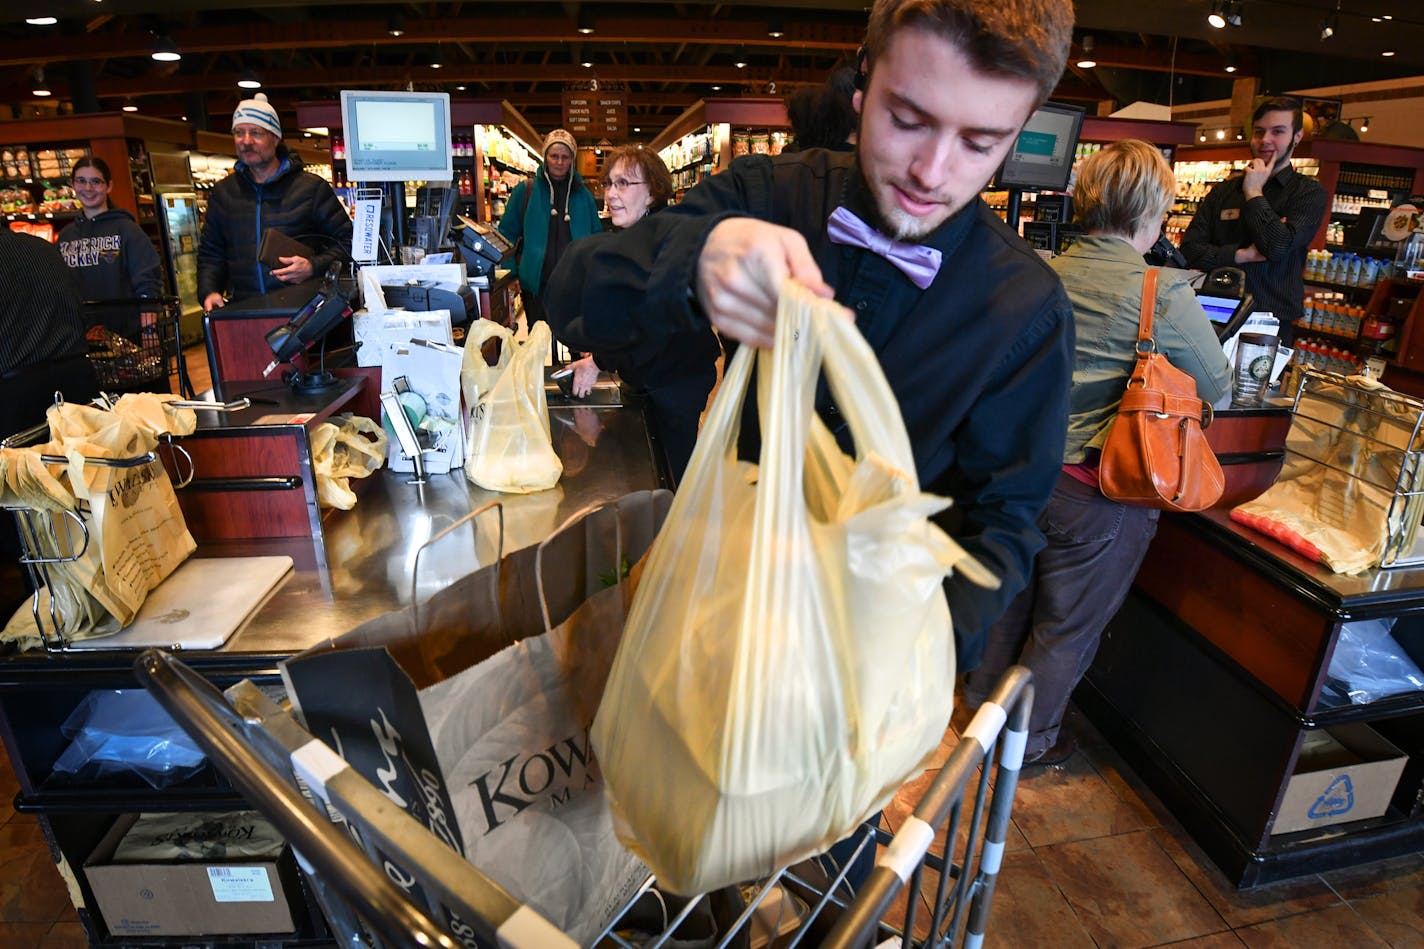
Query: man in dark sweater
{"points": [[978, 348], [1263, 221], [42, 345], [267, 190]]}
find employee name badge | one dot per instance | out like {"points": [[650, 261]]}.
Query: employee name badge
{"points": [[365, 228], [240, 884], [1231, 214]]}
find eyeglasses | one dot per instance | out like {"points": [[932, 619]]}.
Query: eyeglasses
{"points": [[621, 184], [88, 181]]}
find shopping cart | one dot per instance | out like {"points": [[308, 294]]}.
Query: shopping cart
{"points": [[149, 361], [344, 832]]}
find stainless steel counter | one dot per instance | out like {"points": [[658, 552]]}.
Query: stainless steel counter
{"points": [[367, 564]]}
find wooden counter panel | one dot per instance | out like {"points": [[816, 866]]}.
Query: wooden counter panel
{"points": [[246, 455], [1230, 434], [1220, 597]]}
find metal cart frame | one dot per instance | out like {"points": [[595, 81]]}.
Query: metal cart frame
{"points": [[344, 831]]}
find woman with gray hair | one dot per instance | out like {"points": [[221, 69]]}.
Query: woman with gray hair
{"points": [[1095, 545]]}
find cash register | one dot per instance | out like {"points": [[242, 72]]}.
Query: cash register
{"points": [[1223, 296]]}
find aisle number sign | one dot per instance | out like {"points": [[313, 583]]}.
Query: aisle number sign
{"points": [[365, 229], [599, 114]]}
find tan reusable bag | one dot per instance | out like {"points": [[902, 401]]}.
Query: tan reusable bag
{"points": [[510, 448], [788, 660]]}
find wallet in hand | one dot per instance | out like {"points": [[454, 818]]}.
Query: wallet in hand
{"points": [[275, 244]]}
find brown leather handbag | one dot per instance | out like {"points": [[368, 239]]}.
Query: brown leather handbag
{"points": [[1156, 454]]}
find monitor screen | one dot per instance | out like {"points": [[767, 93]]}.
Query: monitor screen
{"points": [[1042, 157], [1227, 314], [397, 136], [1219, 310]]}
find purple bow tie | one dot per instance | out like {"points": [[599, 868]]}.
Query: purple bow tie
{"points": [[915, 261]]}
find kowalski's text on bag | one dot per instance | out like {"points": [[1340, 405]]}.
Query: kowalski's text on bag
{"points": [[522, 779]]}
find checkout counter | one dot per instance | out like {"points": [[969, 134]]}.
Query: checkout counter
{"points": [[1210, 679], [349, 567]]}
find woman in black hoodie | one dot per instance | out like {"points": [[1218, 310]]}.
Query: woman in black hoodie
{"points": [[108, 253]]}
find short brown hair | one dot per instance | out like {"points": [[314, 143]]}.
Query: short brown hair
{"points": [[1025, 39], [1280, 104], [1124, 187], [655, 173]]}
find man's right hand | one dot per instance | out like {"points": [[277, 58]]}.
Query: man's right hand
{"points": [[212, 301], [740, 273], [1249, 255]]}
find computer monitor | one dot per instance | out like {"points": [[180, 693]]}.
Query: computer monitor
{"points": [[1226, 313], [1042, 157], [397, 136]]}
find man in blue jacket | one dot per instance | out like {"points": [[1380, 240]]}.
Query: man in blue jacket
{"points": [[550, 211], [267, 190]]}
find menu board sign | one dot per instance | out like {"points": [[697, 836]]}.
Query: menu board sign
{"points": [[598, 114]]}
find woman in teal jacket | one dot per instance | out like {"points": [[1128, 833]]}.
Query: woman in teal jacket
{"points": [[550, 211]]}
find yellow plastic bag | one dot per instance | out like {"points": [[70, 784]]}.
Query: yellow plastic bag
{"points": [[352, 446], [510, 448], [788, 660]]}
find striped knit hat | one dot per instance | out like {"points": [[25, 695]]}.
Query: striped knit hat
{"points": [[256, 111]]}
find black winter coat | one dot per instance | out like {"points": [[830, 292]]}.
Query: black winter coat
{"points": [[295, 202]]}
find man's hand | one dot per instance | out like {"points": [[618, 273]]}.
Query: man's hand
{"points": [[212, 301], [1257, 174], [585, 375], [1249, 255], [297, 270], [740, 273]]}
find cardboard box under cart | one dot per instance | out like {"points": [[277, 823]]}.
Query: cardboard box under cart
{"points": [[185, 899]]}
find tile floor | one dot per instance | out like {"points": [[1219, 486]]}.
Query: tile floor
{"points": [[1093, 859]]}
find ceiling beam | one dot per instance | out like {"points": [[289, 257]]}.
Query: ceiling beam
{"points": [[335, 33]]}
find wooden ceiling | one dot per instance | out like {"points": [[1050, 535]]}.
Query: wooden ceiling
{"points": [[666, 55]]}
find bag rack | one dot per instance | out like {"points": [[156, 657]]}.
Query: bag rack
{"points": [[49, 538], [1374, 437], [292, 777]]}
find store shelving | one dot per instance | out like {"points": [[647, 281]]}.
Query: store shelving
{"points": [[705, 138]]}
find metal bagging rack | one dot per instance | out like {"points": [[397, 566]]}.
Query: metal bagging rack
{"points": [[50, 539], [1367, 444], [347, 836]]}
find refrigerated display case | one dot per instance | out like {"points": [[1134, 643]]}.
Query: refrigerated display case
{"points": [[179, 231]]}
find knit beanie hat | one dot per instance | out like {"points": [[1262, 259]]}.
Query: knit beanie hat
{"points": [[560, 137], [256, 111], [564, 138]]}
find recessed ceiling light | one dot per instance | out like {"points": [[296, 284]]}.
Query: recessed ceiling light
{"points": [[41, 20], [716, 88], [459, 88], [637, 128], [129, 106], [1388, 52]]}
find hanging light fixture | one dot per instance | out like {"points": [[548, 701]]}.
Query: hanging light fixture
{"points": [[395, 23], [1365, 124], [129, 105], [165, 50], [1086, 61], [1387, 52], [585, 21], [741, 61], [435, 62], [1230, 64], [1217, 16], [40, 87], [586, 59], [249, 80], [1331, 24], [41, 20], [776, 29]]}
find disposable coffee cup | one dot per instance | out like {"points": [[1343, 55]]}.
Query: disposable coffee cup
{"points": [[1255, 358]]}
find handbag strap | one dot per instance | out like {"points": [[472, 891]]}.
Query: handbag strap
{"points": [[1149, 303]]}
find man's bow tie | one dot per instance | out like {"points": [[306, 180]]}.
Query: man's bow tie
{"points": [[916, 261]]}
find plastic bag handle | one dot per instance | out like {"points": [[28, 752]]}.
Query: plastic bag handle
{"points": [[415, 565], [481, 331]]}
